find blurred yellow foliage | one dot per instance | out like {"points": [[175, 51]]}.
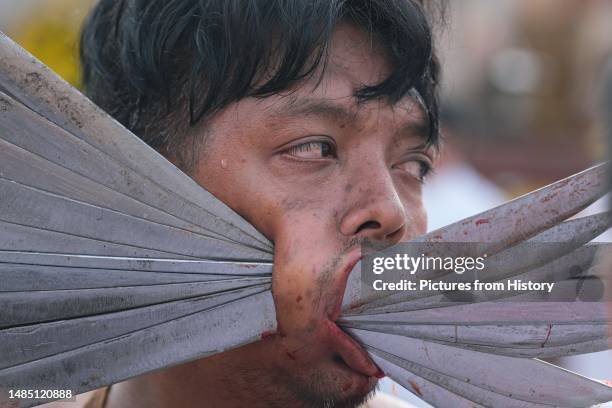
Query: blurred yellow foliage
{"points": [[50, 31]]}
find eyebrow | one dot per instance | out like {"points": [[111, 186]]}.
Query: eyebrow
{"points": [[336, 112], [414, 127], [314, 107]]}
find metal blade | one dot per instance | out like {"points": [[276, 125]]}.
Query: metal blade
{"points": [[441, 390], [20, 278], [500, 313], [552, 244], [23, 278], [32, 83], [173, 342], [589, 346], [582, 229], [15, 237], [519, 336], [545, 384], [572, 234], [527, 341], [27, 307], [568, 266], [180, 266], [526, 216], [35, 208], [32, 342], [25, 129], [34, 171]]}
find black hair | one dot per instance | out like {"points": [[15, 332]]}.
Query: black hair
{"points": [[162, 66]]}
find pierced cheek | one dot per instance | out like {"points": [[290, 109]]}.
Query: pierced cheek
{"points": [[294, 280], [302, 284]]}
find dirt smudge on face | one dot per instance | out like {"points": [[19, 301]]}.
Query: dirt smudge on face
{"points": [[292, 204]]}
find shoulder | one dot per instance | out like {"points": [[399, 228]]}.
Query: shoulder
{"points": [[97, 399], [90, 399]]}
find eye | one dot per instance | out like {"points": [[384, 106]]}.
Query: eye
{"points": [[419, 169], [312, 150]]}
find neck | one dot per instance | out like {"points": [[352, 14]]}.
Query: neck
{"points": [[216, 381]]}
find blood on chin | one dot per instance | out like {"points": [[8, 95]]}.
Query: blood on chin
{"points": [[321, 341], [329, 379], [316, 368]]}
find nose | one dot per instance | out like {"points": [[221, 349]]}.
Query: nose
{"points": [[375, 211]]}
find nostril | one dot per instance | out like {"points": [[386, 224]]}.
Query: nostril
{"points": [[396, 235], [338, 359], [368, 225]]}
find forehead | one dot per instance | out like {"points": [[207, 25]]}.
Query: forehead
{"points": [[354, 60], [356, 57]]}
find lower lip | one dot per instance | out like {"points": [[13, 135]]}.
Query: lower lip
{"points": [[353, 355]]}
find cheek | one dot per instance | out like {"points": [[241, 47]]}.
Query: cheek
{"points": [[304, 280], [241, 184], [302, 229], [419, 222], [304, 243]]}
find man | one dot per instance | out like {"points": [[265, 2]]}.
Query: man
{"points": [[314, 120]]}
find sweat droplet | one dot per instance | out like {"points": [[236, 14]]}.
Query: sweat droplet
{"points": [[223, 163]]}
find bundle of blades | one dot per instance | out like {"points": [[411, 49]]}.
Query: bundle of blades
{"points": [[113, 263], [108, 253], [484, 351]]}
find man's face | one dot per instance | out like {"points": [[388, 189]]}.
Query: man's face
{"points": [[318, 174]]}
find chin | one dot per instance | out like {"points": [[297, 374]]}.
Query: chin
{"points": [[328, 383]]}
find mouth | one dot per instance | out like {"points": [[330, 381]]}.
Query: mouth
{"points": [[352, 354]]}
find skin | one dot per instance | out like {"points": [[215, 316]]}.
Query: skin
{"points": [[326, 174]]}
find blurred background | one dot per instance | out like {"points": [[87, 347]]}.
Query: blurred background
{"points": [[521, 87], [520, 100]]}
